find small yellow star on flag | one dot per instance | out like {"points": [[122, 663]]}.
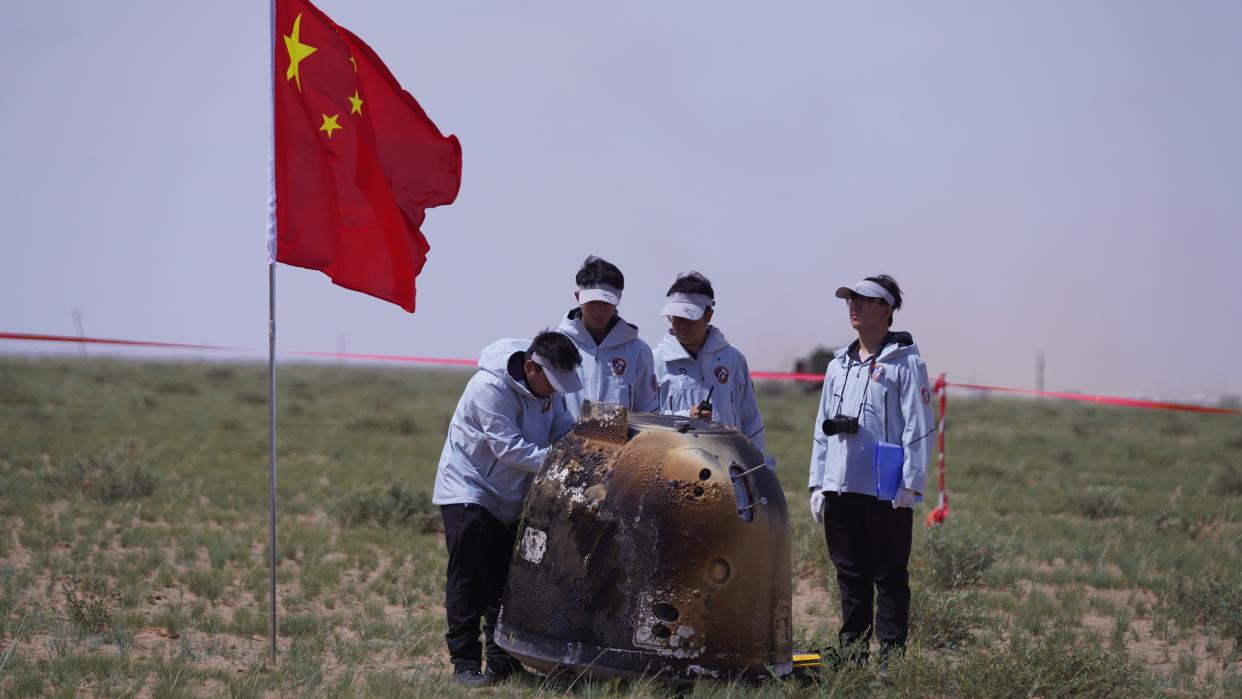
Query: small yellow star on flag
{"points": [[357, 102], [329, 124]]}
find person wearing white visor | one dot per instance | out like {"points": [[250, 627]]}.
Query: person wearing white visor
{"points": [[876, 391], [509, 415], [695, 361], [617, 367]]}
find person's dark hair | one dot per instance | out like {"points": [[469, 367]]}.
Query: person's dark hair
{"points": [[557, 348], [597, 270], [692, 283], [890, 285]]}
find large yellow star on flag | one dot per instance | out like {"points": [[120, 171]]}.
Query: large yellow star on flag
{"points": [[357, 102], [297, 51], [329, 124]]}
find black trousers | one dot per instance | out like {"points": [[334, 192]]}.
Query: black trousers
{"points": [[869, 543], [479, 547]]}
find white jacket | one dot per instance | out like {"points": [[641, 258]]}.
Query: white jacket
{"points": [[685, 381], [619, 370], [896, 409], [498, 437]]}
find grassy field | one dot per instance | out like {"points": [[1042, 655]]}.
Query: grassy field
{"points": [[1090, 551]]}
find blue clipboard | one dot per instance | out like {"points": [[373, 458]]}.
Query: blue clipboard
{"points": [[888, 462]]}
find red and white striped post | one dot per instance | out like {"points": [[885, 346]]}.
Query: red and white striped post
{"points": [[938, 515]]}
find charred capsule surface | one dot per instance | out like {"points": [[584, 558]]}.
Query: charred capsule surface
{"points": [[651, 546]]}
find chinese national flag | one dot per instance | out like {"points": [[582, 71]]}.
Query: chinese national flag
{"points": [[357, 161]]}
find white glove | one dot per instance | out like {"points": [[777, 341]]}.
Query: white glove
{"points": [[817, 505], [904, 498]]}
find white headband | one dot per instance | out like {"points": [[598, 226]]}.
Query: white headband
{"points": [[866, 288], [700, 300], [600, 292], [689, 306]]}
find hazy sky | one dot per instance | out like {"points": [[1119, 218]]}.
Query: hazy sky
{"points": [[1064, 176]]}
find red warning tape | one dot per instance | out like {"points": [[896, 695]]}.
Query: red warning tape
{"points": [[786, 376], [387, 358], [1104, 400], [760, 375], [106, 341]]}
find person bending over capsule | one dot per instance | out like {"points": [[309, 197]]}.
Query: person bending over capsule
{"points": [[876, 392], [510, 413]]}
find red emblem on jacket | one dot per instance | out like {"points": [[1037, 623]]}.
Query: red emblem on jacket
{"points": [[618, 366], [722, 373]]}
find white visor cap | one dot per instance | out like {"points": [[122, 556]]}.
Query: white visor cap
{"points": [[688, 306], [865, 288], [562, 380], [602, 292]]}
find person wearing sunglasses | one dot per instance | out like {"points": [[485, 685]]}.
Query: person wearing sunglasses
{"points": [[876, 392]]}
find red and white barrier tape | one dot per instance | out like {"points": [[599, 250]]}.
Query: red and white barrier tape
{"points": [[1103, 400], [387, 358], [758, 375], [107, 341]]}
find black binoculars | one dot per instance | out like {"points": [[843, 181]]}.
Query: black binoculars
{"points": [[840, 424]]}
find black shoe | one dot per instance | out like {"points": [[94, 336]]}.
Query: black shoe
{"points": [[471, 677], [881, 675], [888, 651], [499, 672]]}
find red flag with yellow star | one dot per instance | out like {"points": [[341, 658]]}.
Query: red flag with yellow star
{"points": [[357, 161]]}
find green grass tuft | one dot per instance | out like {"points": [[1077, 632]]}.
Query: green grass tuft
{"points": [[102, 477], [960, 555], [89, 603], [394, 506]]}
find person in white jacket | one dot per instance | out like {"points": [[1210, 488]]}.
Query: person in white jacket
{"points": [[617, 367], [875, 390], [509, 415], [695, 361]]}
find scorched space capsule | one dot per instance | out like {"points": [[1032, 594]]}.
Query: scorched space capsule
{"points": [[654, 546]]}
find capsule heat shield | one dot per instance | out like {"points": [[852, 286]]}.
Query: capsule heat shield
{"points": [[651, 546]]}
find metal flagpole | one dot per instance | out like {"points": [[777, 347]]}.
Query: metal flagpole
{"points": [[271, 328], [271, 445]]}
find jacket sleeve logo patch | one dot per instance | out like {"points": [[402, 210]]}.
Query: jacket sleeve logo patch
{"points": [[926, 395], [722, 373], [619, 365]]}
